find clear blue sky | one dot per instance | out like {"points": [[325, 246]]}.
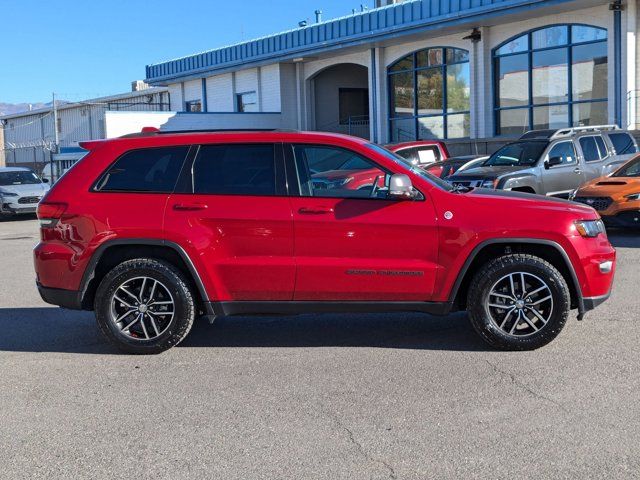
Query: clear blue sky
{"points": [[88, 48]]}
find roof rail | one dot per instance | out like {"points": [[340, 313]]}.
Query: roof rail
{"points": [[152, 131], [567, 132]]}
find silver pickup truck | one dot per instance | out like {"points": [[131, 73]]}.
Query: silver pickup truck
{"points": [[552, 162]]}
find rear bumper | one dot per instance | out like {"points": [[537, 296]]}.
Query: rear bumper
{"points": [[60, 297]]}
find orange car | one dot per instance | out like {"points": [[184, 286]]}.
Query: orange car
{"points": [[615, 197]]}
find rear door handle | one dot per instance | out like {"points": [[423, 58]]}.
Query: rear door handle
{"points": [[190, 206], [315, 210]]}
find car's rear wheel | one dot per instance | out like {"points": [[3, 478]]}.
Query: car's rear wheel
{"points": [[144, 305], [518, 302]]}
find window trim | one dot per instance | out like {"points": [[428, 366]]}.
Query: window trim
{"points": [[292, 166], [529, 51], [597, 148], [547, 154], [94, 186], [445, 113], [186, 186]]}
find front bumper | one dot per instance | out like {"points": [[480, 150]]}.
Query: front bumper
{"points": [[14, 208], [624, 219]]}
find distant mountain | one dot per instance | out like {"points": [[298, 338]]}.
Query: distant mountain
{"points": [[11, 108]]}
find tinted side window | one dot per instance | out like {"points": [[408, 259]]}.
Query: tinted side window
{"points": [[623, 143], [589, 149], [235, 170], [339, 173], [146, 170], [565, 151], [604, 153], [409, 154]]}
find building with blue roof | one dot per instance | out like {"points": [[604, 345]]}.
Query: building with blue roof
{"points": [[422, 69]]}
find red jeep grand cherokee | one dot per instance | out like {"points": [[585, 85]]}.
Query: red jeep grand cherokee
{"points": [[154, 229]]}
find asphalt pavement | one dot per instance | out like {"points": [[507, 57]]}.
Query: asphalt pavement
{"points": [[385, 396]]}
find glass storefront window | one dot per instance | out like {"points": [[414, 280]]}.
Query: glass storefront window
{"points": [[403, 130], [590, 70], [557, 74], [550, 79], [435, 94], [512, 80]]}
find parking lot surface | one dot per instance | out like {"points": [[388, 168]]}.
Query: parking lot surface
{"points": [[316, 396]]}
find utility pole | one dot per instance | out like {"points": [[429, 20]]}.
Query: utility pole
{"points": [[56, 140]]}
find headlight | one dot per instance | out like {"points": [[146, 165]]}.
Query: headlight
{"points": [[633, 197], [590, 228], [489, 184], [8, 194]]}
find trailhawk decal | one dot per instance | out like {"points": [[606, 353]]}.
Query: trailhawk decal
{"points": [[388, 273]]}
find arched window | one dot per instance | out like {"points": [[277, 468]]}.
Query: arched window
{"points": [[552, 77], [429, 95]]}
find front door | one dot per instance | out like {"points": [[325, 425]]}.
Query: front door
{"points": [[351, 241], [560, 180], [232, 213]]}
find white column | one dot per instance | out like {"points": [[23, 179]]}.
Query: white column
{"points": [[378, 117], [481, 98], [631, 97]]}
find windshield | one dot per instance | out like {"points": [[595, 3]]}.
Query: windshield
{"points": [[519, 154], [631, 169], [19, 177], [407, 166]]}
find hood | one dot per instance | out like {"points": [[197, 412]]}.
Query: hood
{"points": [[483, 173], [533, 201], [26, 190], [610, 187]]}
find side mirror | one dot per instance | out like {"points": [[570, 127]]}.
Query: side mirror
{"points": [[552, 162], [400, 186]]}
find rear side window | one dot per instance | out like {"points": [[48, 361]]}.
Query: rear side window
{"points": [[589, 149], [623, 143], [152, 170], [235, 170]]}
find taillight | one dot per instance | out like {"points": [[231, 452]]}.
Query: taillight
{"points": [[50, 213]]}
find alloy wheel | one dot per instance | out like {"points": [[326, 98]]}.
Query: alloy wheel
{"points": [[520, 304], [142, 308]]}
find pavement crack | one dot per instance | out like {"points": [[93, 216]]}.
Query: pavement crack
{"points": [[354, 441], [526, 388]]}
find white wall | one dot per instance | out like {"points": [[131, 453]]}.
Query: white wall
{"points": [[123, 123], [220, 93]]}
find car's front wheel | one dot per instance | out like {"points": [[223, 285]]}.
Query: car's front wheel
{"points": [[518, 302], [144, 305]]}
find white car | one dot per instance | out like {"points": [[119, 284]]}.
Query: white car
{"points": [[20, 190]]}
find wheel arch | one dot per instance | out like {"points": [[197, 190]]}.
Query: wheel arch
{"points": [[546, 249], [113, 252]]}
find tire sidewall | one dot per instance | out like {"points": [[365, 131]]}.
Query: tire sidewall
{"points": [[481, 318], [175, 285]]}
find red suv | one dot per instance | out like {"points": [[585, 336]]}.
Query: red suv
{"points": [[152, 230]]}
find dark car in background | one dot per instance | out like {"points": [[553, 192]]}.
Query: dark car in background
{"points": [[452, 165]]}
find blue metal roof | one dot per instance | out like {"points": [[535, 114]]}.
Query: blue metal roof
{"points": [[394, 20]]}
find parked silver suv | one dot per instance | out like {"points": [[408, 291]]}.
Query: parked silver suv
{"points": [[552, 162], [20, 191]]}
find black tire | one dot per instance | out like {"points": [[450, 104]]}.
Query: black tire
{"points": [[483, 316], [175, 283]]}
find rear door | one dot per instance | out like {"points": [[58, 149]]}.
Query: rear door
{"points": [[594, 153], [560, 180], [231, 212], [352, 242]]}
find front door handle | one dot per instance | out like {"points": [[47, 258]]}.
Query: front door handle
{"points": [[315, 210], [578, 171], [189, 207]]}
